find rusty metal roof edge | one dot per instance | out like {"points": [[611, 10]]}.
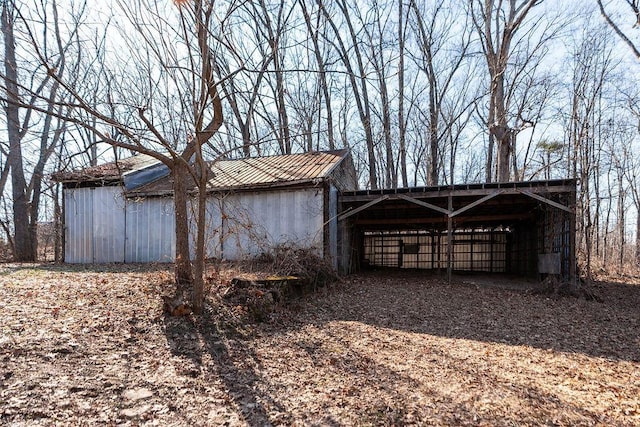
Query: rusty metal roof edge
{"points": [[135, 194], [343, 154], [263, 186], [123, 168], [240, 188]]}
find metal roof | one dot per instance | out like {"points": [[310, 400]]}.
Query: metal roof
{"points": [[260, 172], [107, 172], [472, 205], [270, 171], [275, 169]]}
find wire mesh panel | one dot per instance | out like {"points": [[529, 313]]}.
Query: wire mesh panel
{"points": [[382, 250], [472, 250], [554, 237], [479, 250], [417, 251]]}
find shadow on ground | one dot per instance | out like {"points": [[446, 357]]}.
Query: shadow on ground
{"points": [[220, 351], [472, 308]]}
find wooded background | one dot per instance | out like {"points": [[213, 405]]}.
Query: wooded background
{"points": [[422, 92]]}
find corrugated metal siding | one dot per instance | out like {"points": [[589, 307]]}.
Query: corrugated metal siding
{"points": [[333, 226], [150, 230], [255, 222], [78, 220], [108, 225], [214, 227], [94, 220], [101, 227]]}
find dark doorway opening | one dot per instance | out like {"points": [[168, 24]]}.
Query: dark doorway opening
{"points": [[523, 228]]}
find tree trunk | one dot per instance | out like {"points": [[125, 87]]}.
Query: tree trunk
{"points": [[183, 272], [638, 237], [24, 245], [401, 121], [433, 138], [503, 137], [499, 128], [322, 77], [358, 83], [621, 216], [58, 226], [197, 297], [391, 174]]}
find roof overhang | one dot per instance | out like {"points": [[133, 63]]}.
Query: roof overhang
{"points": [[467, 206]]}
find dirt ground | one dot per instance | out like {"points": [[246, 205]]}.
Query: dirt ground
{"points": [[92, 346]]}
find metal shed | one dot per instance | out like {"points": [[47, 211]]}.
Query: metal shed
{"points": [[521, 228], [123, 212]]}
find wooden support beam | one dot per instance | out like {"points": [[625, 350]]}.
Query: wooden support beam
{"points": [[424, 204], [361, 208], [573, 262], [476, 203], [449, 238], [442, 220], [350, 196], [545, 200]]}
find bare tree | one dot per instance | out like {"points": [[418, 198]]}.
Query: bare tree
{"points": [[353, 58], [316, 29], [376, 41], [591, 66], [632, 18], [633, 6], [498, 24], [171, 90], [31, 99], [443, 50]]}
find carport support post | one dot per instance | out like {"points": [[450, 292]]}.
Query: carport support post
{"points": [[573, 276], [449, 236]]}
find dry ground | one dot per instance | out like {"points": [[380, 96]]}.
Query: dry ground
{"points": [[91, 346]]}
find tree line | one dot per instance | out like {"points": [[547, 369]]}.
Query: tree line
{"points": [[423, 93]]}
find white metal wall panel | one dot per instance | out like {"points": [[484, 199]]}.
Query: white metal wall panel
{"points": [[78, 218], [108, 224], [255, 222], [150, 228], [103, 227], [213, 227], [333, 226], [213, 243]]}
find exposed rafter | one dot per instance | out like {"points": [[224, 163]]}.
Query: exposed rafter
{"points": [[476, 203], [424, 204], [347, 214], [545, 200]]}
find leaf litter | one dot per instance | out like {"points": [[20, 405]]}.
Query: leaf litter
{"points": [[87, 346]]}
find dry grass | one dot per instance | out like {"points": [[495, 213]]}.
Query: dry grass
{"points": [[92, 347]]}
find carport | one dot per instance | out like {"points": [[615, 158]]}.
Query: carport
{"points": [[519, 228]]}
